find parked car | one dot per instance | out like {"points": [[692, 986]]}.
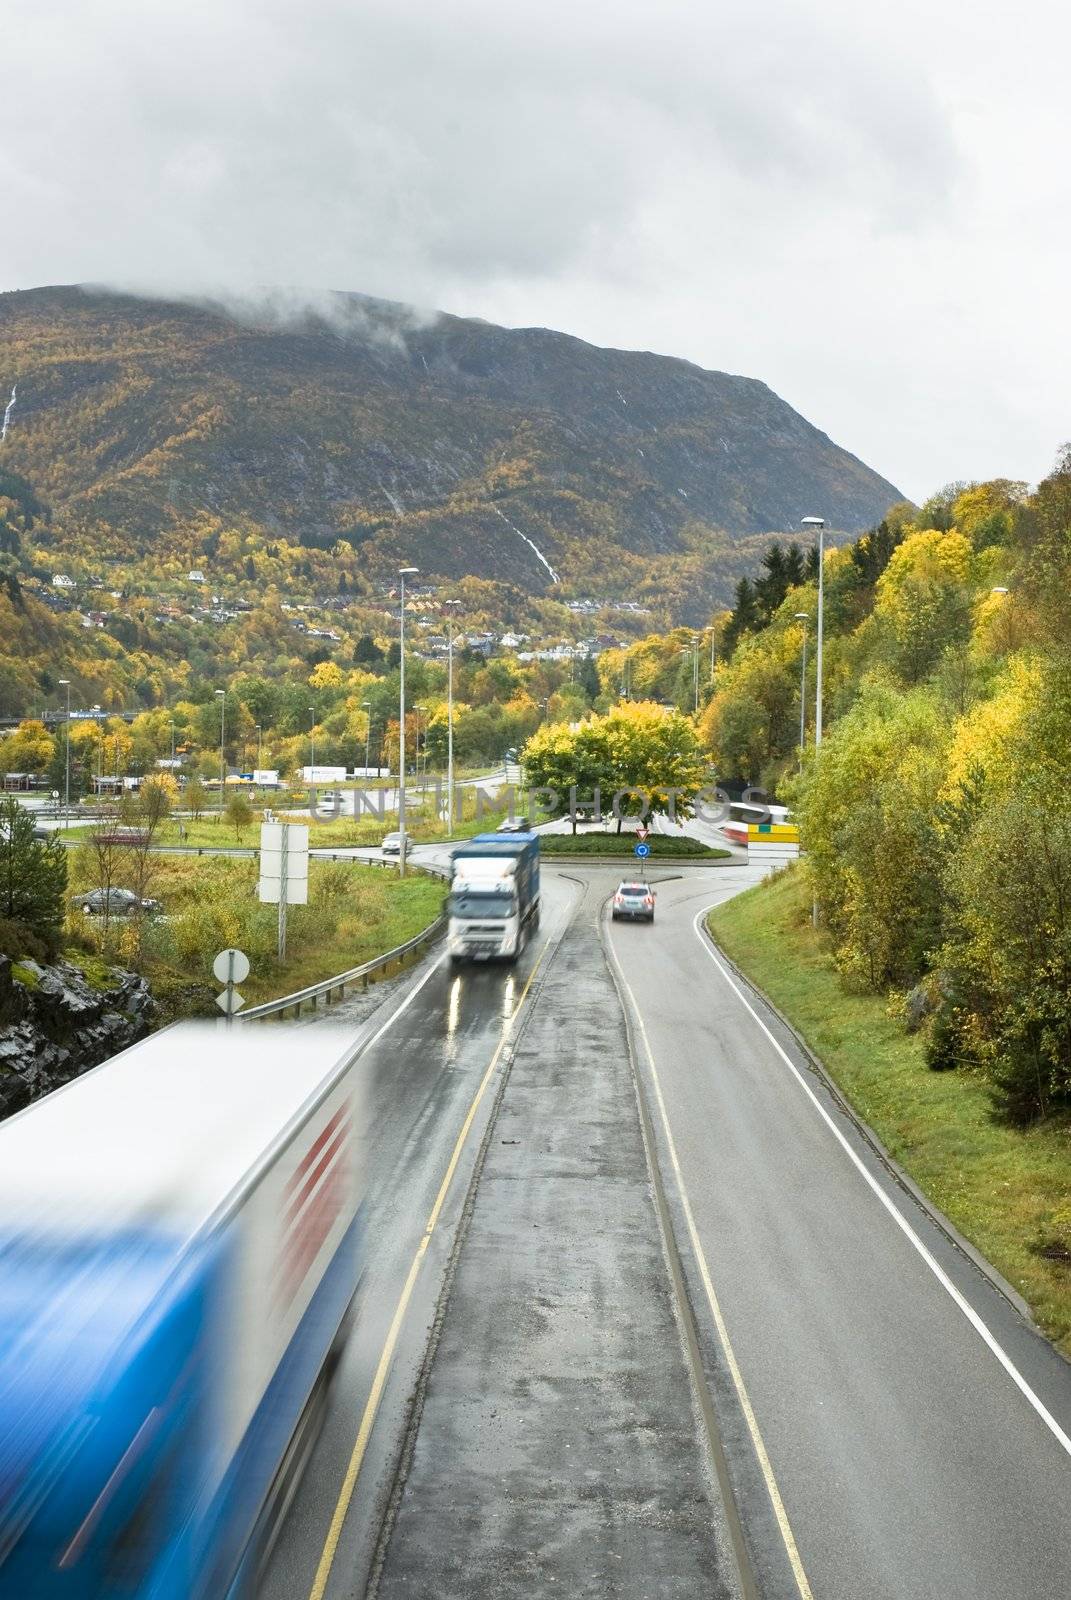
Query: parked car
{"points": [[514, 825], [635, 901], [392, 844], [117, 903]]}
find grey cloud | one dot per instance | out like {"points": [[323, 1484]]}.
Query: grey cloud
{"points": [[389, 146]]}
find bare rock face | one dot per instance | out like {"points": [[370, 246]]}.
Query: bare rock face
{"points": [[56, 1024]]}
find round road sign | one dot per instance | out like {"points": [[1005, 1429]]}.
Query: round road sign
{"points": [[231, 966], [643, 850]]}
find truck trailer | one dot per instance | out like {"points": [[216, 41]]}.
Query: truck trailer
{"points": [[180, 1250], [493, 904]]}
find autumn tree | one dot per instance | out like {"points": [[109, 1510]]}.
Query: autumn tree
{"points": [[31, 748], [238, 813], [195, 798], [33, 877]]}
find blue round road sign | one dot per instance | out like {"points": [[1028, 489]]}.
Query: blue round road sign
{"points": [[643, 850]]}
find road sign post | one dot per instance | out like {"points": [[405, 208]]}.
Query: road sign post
{"points": [[284, 869], [284, 861], [643, 851], [230, 967]]}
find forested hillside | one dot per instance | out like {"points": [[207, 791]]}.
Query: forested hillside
{"points": [[167, 436], [936, 820]]}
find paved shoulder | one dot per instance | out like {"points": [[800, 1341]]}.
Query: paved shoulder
{"points": [[556, 1448]]}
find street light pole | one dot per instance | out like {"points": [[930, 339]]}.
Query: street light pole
{"points": [[419, 712], [312, 744], [221, 696], [818, 523], [403, 573], [366, 705], [801, 616], [450, 721], [695, 670], [66, 684]]}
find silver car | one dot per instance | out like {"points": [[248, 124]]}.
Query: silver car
{"points": [[392, 844], [115, 903], [634, 901]]}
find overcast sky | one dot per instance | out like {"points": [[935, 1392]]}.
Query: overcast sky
{"points": [[867, 207]]}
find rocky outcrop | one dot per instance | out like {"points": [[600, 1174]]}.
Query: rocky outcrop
{"points": [[56, 1023]]}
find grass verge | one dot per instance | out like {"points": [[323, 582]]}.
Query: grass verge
{"points": [[210, 903], [1008, 1192], [214, 832]]}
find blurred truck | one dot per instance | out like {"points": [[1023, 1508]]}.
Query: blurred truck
{"points": [[180, 1249], [493, 904]]}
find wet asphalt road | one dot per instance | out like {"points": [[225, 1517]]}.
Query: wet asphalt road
{"points": [[419, 1081], [908, 1461], [875, 1445], [555, 1447]]}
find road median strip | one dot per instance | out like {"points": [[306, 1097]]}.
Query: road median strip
{"points": [[570, 1451]]}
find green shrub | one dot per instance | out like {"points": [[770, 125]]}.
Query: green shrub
{"points": [[19, 941]]}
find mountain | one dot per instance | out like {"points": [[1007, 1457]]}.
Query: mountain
{"points": [[522, 456]]}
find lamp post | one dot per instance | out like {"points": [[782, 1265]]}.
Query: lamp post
{"points": [[260, 748], [172, 744], [819, 525], [366, 705], [403, 573], [450, 720], [801, 616], [221, 696], [693, 651], [66, 684], [419, 711], [312, 744]]}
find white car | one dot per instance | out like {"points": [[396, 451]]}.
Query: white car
{"points": [[392, 844]]}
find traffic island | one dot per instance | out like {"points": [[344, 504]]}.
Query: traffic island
{"points": [[555, 1447]]}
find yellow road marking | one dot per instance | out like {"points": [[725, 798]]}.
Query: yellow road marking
{"points": [[375, 1394], [788, 1538]]}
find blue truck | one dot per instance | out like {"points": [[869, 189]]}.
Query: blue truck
{"points": [[180, 1249], [493, 904]]}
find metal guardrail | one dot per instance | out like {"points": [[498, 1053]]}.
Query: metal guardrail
{"points": [[332, 989]]}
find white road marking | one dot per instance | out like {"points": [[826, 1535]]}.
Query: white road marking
{"points": [[901, 1221], [405, 1004]]}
